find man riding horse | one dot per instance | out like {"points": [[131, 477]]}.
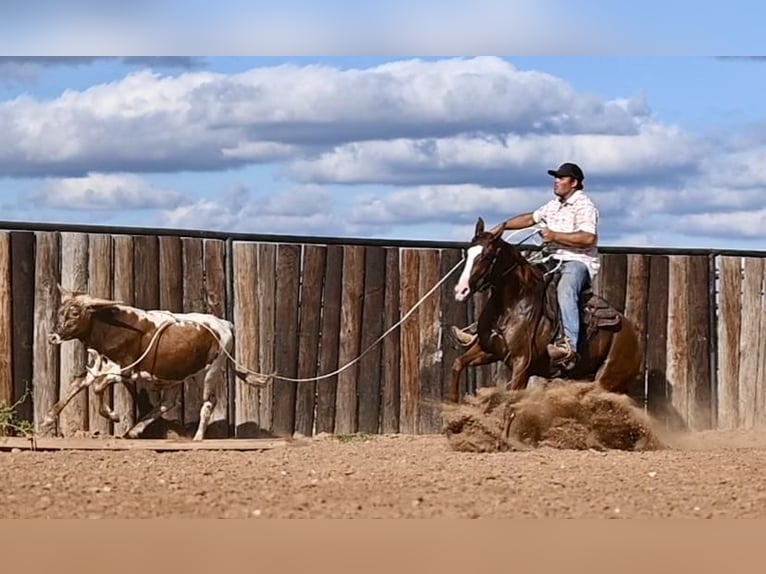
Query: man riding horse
{"points": [[571, 233]]}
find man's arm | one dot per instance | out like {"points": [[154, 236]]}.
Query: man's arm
{"points": [[581, 239], [518, 222]]}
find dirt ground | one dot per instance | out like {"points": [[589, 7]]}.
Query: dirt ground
{"points": [[706, 475]]}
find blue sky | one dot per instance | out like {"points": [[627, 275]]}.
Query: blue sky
{"points": [[392, 147]]}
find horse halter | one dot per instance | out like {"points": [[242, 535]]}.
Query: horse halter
{"points": [[489, 277]]}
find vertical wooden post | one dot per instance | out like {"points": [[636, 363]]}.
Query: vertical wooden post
{"points": [[750, 330], [390, 381], [636, 300], [45, 371], [729, 326], [430, 357], [267, 295], [330, 340], [193, 302], [656, 336], [372, 328], [246, 337], [100, 284], [74, 275], [23, 287], [352, 292], [410, 343], [124, 290], [286, 337], [6, 323], [314, 257], [171, 298], [215, 293]]}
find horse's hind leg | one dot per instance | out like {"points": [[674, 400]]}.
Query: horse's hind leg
{"points": [[623, 361], [473, 357]]}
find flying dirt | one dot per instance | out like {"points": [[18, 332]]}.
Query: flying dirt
{"points": [[560, 414]]}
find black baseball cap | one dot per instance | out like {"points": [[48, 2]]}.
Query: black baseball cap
{"points": [[568, 170]]}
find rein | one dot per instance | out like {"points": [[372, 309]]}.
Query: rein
{"points": [[264, 377]]}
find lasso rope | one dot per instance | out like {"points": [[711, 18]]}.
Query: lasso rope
{"points": [[264, 377]]}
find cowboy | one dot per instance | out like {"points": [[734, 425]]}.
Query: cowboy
{"points": [[570, 231]]}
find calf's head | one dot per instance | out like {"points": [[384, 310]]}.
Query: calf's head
{"points": [[75, 315]]}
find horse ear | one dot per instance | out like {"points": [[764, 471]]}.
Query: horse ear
{"points": [[479, 226], [498, 233]]}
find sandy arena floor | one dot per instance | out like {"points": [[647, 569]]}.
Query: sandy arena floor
{"points": [[707, 475]]}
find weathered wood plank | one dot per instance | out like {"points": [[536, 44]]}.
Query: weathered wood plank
{"points": [[636, 301], [194, 301], [171, 298], [100, 284], [677, 350], [656, 337], [286, 337], [614, 278], [6, 322], [452, 313], [699, 343], [45, 379], [124, 290], [215, 292], [146, 273], [352, 292], [247, 337], [372, 328], [390, 374], [430, 353], [330, 340], [23, 317], [267, 295], [111, 444], [73, 356], [314, 260], [410, 343], [729, 329], [760, 386], [750, 329]]}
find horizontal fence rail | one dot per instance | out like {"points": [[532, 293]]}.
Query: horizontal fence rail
{"points": [[303, 307]]}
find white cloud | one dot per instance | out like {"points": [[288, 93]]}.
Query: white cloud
{"points": [[104, 192], [148, 122], [654, 151], [735, 224], [299, 211]]}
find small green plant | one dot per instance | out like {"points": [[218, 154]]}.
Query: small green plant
{"points": [[10, 425], [358, 437]]}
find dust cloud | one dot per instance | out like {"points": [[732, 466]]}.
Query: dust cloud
{"points": [[560, 414]]}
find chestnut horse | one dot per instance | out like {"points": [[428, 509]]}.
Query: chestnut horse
{"points": [[521, 317]]}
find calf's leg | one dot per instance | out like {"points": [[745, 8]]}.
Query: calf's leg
{"points": [[150, 417], [214, 373], [77, 385]]}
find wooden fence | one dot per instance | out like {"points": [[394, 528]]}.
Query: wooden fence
{"points": [[306, 307]]}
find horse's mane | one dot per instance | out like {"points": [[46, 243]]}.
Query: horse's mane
{"points": [[529, 273]]}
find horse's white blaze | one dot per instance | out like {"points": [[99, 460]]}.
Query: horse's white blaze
{"points": [[461, 289]]}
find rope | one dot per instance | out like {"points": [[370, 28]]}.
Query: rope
{"points": [[362, 354], [264, 376]]}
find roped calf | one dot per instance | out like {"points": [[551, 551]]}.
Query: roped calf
{"points": [[126, 344]]}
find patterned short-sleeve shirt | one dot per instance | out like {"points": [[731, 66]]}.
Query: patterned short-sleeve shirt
{"points": [[577, 213]]}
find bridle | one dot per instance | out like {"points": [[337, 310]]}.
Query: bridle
{"points": [[489, 278]]}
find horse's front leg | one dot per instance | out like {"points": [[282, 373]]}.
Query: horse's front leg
{"points": [[519, 367], [473, 357]]}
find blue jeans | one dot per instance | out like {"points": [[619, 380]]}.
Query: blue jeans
{"points": [[574, 279]]}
